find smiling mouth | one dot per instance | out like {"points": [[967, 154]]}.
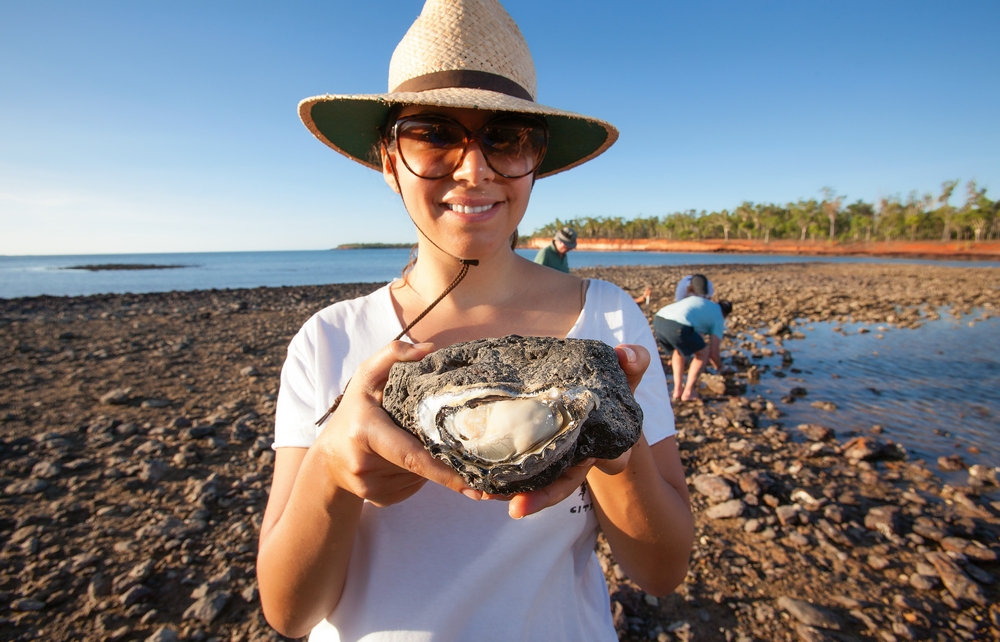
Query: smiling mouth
{"points": [[462, 209]]}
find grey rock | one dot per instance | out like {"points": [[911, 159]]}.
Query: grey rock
{"points": [[809, 614], [951, 463], [137, 593], [164, 634], [99, 587], [249, 371], [877, 562], [726, 510], [979, 574], [155, 403], [153, 470], [26, 604], [26, 487], [714, 487], [207, 608], [523, 365], [46, 469], [812, 634], [828, 406], [116, 397], [984, 474], [788, 513]]}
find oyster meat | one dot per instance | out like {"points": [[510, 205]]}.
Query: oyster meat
{"points": [[511, 414]]}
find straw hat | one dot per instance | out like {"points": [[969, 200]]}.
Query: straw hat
{"points": [[458, 53]]}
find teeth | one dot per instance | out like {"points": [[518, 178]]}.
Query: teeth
{"points": [[461, 209]]}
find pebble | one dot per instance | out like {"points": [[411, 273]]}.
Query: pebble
{"points": [[714, 487], [116, 397], [810, 614], [726, 510], [207, 608], [164, 634]]}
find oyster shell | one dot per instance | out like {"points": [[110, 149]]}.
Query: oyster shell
{"points": [[511, 414]]}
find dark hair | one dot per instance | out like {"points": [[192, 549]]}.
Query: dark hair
{"points": [[727, 308], [699, 284]]}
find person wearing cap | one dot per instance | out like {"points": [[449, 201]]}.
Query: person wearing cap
{"points": [[365, 534], [553, 255], [684, 288], [679, 327]]}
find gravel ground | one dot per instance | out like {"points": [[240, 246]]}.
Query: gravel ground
{"points": [[134, 463]]}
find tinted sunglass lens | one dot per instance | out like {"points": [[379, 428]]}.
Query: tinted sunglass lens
{"points": [[514, 147], [431, 148]]}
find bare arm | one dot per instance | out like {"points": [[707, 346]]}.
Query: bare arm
{"points": [[317, 494], [644, 509], [714, 355]]}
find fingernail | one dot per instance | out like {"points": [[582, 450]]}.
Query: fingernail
{"points": [[629, 354], [511, 513], [472, 494], [423, 346]]}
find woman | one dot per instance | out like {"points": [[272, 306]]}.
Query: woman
{"points": [[355, 543]]}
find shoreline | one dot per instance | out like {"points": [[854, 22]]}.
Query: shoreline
{"points": [[955, 250], [135, 464]]}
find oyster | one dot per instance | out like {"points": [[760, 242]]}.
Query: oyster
{"points": [[511, 414]]}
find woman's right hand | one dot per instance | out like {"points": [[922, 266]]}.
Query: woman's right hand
{"points": [[366, 453]]}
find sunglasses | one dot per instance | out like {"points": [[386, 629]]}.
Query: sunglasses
{"points": [[433, 147]]}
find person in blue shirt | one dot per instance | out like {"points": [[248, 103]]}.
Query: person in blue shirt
{"points": [[679, 328], [553, 255]]}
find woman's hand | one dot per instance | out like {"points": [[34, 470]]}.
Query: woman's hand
{"points": [[633, 359], [367, 454]]}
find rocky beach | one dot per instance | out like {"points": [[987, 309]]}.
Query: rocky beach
{"points": [[135, 466]]}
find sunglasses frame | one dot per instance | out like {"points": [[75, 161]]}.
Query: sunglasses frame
{"points": [[469, 137]]}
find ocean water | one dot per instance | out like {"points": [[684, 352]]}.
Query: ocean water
{"points": [[22, 276], [932, 389]]}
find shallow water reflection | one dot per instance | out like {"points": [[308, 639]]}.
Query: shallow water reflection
{"points": [[933, 389]]}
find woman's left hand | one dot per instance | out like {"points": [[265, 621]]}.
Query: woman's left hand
{"points": [[633, 359]]}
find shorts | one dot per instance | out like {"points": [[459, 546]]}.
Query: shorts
{"points": [[677, 336]]}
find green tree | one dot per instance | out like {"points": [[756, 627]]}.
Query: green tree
{"points": [[831, 208], [946, 211]]}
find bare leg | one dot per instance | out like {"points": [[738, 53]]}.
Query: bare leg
{"points": [[677, 364], [698, 360]]}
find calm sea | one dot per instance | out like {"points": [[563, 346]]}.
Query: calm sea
{"points": [[35, 275]]}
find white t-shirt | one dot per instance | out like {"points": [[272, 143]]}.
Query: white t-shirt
{"points": [[439, 566], [682, 288]]}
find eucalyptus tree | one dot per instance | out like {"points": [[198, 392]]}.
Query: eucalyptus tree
{"points": [[831, 207], [946, 211]]}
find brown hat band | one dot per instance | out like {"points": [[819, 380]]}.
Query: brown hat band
{"points": [[467, 79]]}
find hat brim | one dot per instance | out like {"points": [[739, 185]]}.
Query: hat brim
{"points": [[352, 124]]}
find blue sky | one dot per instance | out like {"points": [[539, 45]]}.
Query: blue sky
{"points": [[172, 126]]}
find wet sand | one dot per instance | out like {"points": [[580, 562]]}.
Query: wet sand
{"points": [[134, 464]]}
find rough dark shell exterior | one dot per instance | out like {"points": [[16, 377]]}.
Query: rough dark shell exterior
{"points": [[523, 364]]}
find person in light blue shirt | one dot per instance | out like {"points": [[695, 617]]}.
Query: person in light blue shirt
{"points": [[679, 328]]}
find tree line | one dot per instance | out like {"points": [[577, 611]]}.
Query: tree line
{"points": [[917, 217]]}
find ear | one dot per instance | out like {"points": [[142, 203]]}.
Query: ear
{"points": [[388, 172]]}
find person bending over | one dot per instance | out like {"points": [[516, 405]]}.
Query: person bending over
{"points": [[684, 289], [679, 328]]}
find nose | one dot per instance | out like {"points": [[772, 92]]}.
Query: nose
{"points": [[473, 169]]}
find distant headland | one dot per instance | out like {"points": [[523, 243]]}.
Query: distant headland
{"points": [[373, 246]]}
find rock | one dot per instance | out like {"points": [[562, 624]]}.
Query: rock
{"points": [[828, 406], [812, 634], [46, 469], [99, 587], [137, 593], [788, 513], [27, 604], [155, 403], [814, 432], [180, 422], [960, 585], [714, 487], [522, 365], [249, 371], [153, 471], [809, 614], [884, 519], [777, 329], [984, 474], [928, 530], [877, 562], [726, 510], [207, 608], [164, 634], [923, 582], [979, 574], [834, 513], [26, 487], [951, 463], [714, 385], [116, 397], [798, 391], [752, 525], [197, 432]]}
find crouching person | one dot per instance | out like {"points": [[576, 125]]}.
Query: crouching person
{"points": [[679, 328]]}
